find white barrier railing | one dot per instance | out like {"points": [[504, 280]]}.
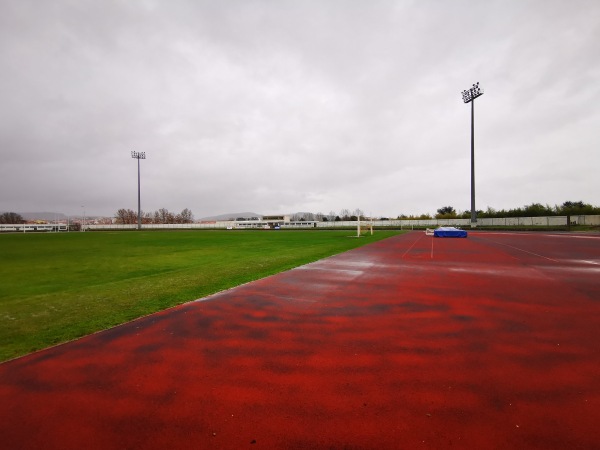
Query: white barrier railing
{"points": [[32, 227], [593, 220], [395, 223]]}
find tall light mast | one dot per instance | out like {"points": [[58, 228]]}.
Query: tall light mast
{"points": [[138, 156], [469, 96]]}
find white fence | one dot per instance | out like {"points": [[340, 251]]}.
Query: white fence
{"points": [[482, 222], [31, 227], [404, 223]]}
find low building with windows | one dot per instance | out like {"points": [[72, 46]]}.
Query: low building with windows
{"points": [[273, 223]]}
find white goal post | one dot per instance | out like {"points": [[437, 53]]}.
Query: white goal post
{"points": [[364, 227]]}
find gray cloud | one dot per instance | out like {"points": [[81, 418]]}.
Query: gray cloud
{"points": [[285, 106]]}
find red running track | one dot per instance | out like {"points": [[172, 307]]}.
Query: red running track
{"points": [[489, 342]]}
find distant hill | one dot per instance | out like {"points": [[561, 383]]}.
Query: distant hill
{"points": [[245, 215]]}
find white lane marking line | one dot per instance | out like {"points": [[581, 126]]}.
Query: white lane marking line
{"points": [[409, 248], [588, 261], [526, 251]]}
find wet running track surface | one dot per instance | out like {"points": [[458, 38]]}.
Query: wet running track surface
{"points": [[489, 342]]}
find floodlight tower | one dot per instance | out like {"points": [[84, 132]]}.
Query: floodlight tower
{"points": [[469, 96], [138, 156]]}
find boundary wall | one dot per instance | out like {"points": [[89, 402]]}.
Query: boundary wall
{"points": [[505, 221], [547, 221], [33, 227], [404, 223]]}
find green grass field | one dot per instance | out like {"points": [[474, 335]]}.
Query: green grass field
{"points": [[60, 286]]}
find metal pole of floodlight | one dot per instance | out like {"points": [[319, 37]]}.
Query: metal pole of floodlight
{"points": [[138, 156], [469, 96]]}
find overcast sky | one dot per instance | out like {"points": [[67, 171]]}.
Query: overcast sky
{"points": [[285, 106]]}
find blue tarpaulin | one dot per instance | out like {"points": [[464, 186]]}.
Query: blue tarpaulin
{"points": [[449, 232]]}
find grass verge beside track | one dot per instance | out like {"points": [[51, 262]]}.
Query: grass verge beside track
{"points": [[60, 286]]}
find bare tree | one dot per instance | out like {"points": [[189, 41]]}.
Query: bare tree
{"points": [[126, 216], [11, 217], [164, 216], [120, 216], [132, 216], [186, 216]]}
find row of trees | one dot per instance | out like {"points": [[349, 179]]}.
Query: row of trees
{"points": [[163, 215], [11, 217], [344, 214], [568, 208]]}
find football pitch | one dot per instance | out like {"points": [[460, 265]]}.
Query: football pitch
{"points": [[60, 286]]}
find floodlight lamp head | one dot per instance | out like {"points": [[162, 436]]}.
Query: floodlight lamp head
{"points": [[138, 155], [471, 94]]}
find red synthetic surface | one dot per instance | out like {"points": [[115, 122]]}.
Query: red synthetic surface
{"points": [[413, 342]]}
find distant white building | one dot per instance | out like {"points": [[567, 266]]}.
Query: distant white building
{"points": [[273, 222]]}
